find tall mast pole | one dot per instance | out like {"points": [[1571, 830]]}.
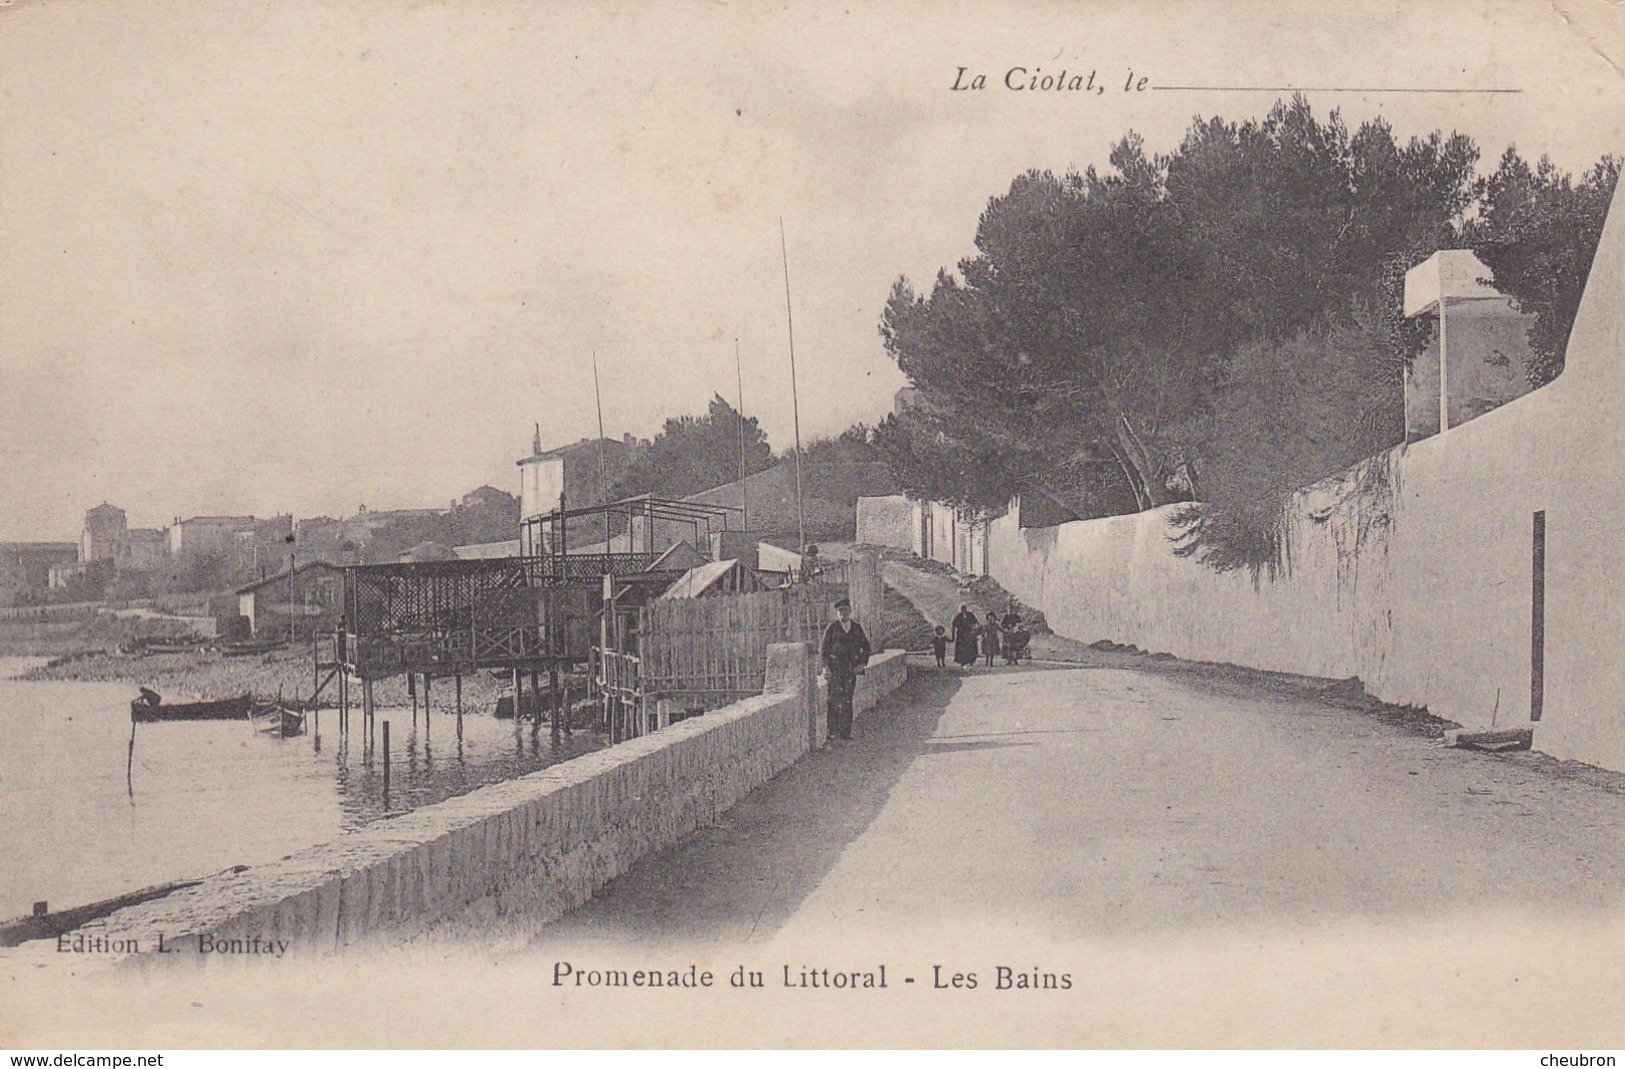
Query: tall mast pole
{"points": [[603, 483], [598, 398], [744, 502], [795, 402]]}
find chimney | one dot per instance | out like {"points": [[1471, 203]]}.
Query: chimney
{"points": [[536, 442]]}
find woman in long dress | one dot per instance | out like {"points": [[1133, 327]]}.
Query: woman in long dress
{"points": [[965, 630]]}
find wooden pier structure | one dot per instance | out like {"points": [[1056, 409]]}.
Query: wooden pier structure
{"points": [[530, 615]]}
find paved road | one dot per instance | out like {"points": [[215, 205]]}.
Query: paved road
{"points": [[1165, 842], [1192, 860]]}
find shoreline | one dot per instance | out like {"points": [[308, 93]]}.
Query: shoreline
{"points": [[207, 676]]}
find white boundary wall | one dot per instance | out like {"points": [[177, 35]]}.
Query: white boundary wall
{"points": [[928, 528], [1427, 597]]}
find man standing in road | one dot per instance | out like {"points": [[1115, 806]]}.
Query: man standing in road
{"points": [[845, 652]]}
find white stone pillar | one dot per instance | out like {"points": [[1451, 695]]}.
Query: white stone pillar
{"points": [[792, 668], [868, 594]]}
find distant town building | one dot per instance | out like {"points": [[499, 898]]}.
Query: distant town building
{"points": [[488, 497], [105, 536], [277, 529], [1478, 358], [572, 471], [148, 547], [295, 603], [366, 524], [265, 548], [323, 538], [207, 535], [25, 567], [61, 576], [372, 520]]}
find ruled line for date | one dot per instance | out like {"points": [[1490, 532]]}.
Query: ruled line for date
{"points": [[1312, 89]]}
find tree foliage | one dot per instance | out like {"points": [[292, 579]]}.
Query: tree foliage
{"points": [[1314, 404], [1095, 325], [854, 445], [1222, 323], [1538, 232], [694, 453]]}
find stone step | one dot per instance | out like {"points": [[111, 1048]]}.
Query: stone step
{"points": [[1490, 739]]}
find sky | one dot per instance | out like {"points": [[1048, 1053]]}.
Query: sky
{"points": [[305, 256]]}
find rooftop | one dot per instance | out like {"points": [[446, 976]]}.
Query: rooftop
{"points": [[575, 447], [1449, 274]]}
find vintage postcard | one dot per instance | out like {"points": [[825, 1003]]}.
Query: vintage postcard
{"points": [[700, 524]]}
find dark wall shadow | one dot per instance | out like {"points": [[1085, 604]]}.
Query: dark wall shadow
{"points": [[742, 878]]}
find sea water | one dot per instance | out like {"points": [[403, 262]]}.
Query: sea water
{"points": [[84, 815]]}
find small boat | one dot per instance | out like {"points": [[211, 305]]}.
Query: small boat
{"points": [[46, 925], [172, 647], [149, 709], [251, 649], [274, 718]]}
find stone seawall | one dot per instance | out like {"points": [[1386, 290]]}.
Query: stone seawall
{"points": [[502, 861]]}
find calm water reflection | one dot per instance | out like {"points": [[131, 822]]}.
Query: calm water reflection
{"points": [[207, 795]]}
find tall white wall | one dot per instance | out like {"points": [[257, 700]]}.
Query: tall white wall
{"points": [[1422, 589], [939, 533]]}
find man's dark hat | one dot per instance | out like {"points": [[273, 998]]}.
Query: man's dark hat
{"points": [[843, 603]]}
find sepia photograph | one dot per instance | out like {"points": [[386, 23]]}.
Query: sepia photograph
{"points": [[728, 525]]}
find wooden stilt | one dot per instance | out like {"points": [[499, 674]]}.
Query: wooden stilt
{"points": [[459, 678], [569, 711], [386, 764], [558, 698]]}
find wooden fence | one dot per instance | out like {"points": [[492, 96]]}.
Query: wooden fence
{"points": [[618, 677], [712, 650]]}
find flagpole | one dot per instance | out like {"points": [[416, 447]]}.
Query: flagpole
{"points": [[744, 502], [795, 402]]}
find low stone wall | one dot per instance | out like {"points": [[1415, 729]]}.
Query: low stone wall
{"points": [[499, 862], [885, 674]]}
